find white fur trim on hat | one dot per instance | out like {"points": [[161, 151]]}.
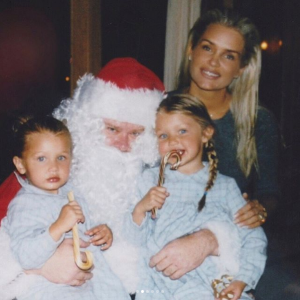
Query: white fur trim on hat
{"points": [[106, 100]]}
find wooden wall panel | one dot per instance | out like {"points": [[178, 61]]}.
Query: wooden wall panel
{"points": [[85, 38]]}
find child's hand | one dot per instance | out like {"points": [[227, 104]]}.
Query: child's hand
{"points": [[154, 198], [70, 214], [101, 236], [235, 288]]}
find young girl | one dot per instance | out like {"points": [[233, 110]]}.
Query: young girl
{"points": [[40, 217], [193, 197]]}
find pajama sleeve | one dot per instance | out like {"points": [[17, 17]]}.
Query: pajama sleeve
{"points": [[253, 241], [31, 242], [137, 234]]}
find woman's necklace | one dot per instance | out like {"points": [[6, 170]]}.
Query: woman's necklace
{"points": [[222, 110]]}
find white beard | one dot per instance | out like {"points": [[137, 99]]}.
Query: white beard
{"points": [[107, 179], [108, 186]]}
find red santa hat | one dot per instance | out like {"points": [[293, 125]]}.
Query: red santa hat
{"points": [[124, 90]]}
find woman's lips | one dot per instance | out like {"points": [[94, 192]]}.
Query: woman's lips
{"points": [[210, 74]]}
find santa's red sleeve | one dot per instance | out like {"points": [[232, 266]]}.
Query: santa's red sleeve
{"points": [[8, 189]]}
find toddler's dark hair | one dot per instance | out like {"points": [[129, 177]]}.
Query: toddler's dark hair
{"points": [[26, 125]]}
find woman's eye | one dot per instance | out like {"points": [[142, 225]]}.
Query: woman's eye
{"points": [[41, 158], [61, 157], [182, 131], [206, 47], [230, 56]]}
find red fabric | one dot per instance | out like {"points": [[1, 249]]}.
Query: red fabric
{"points": [[128, 73], [8, 190]]}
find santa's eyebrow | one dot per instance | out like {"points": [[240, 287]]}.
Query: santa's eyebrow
{"points": [[139, 129], [111, 125]]}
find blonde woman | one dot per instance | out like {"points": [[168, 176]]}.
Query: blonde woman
{"points": [[221, 67]]}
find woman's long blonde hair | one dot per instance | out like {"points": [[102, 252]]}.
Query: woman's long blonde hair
{"points": [[244, 89]]}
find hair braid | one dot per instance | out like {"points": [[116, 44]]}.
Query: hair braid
{"points": [[213, 164]]}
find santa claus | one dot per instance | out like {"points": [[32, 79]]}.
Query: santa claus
{"points": [[111, 119]]}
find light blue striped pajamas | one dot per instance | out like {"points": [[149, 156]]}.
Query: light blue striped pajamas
{"points": [[29, 217], [178, 217]]}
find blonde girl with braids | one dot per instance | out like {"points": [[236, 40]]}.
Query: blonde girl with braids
{"points": [[192, 198], [221, 66]]}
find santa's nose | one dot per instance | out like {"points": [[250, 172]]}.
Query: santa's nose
{"points": [[123, 143]]}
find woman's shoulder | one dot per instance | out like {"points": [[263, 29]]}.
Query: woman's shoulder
{"points": [[266, 121], [264, 115]]}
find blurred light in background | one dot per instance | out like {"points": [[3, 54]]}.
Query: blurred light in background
{"points": [[272, 46], [264, 45]]}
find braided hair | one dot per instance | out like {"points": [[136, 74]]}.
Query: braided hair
{"points": [[191, 106], [213, 164]]}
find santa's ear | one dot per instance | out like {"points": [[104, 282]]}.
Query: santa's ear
{"points": [[18, 162]]}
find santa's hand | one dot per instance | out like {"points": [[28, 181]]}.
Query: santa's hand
{"points": [[101, 235], [185, 254], [61, 267]]}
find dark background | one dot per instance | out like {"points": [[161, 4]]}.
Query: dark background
{"points": [[33, 73], [129, 28]]}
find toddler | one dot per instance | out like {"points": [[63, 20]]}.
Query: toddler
{"points": [[40, 217]]}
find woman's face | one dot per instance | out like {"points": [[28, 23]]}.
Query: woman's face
{"points": [[216, 60]]}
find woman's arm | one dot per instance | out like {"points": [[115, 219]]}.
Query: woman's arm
{"points": [[266, 185], [253, 213]]}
